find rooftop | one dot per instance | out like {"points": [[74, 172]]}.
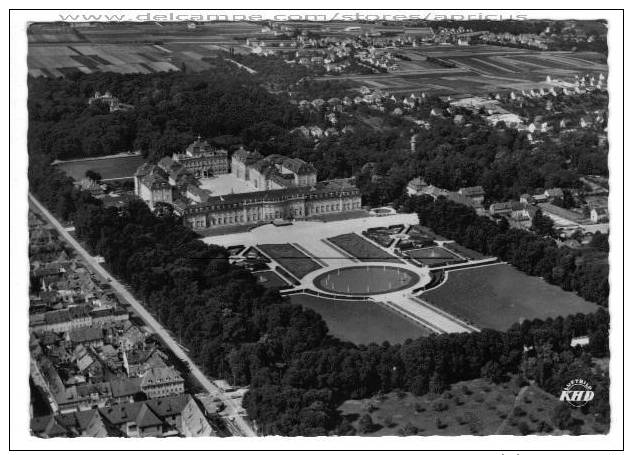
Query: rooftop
{"points": [[319, 189], [85, 334], [160, 375]]}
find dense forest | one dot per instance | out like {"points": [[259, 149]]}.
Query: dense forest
{"points": [[170, 110], [298, 374], [231, 106]]}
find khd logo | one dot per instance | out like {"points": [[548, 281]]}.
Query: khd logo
{"points": [[577, 393]]}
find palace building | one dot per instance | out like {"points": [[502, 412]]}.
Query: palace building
{"points": [[282, 188], [331, 196], [273, 172], [202, 160], [151, 184]]}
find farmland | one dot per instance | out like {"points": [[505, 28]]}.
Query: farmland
{"points": [[55, 61], [497, 296], [362, 249], [478, 69], [120, 166], [290, 258], [361, 322], [58, 50], [470, 407]]}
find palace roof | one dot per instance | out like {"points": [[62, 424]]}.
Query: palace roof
{"points": [[324, 189]]}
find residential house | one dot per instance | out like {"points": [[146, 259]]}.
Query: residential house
{"points": [[167, 416], [109, 316], [84, 397], [316, 131], [87, 363], [505, 208], [465, 200], [415, 186], [134, 420], [523, 214], [183, 414], [137, 362], [125, 389], [87, 336], [539, 198], [579, 341], [586, 122], [61, 320], [48, 427], [132, 337], [553, 193], [475, 193], [599, 215], [161, 382], [87, 423], [538, 127]]}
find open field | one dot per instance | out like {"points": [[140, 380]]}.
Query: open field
{"points": [[362, 249], [469, 407], [110, 167], [497, 296], [361, 322], [290, 258]]}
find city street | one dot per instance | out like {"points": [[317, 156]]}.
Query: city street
{"points": [[235, 422]]}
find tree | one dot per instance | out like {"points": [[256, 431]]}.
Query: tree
{"points": [[366, 424], [599, 342], [437, 384], [409, 430], [493, 371], [92, 175], [542, 224], [524, 428], [561, 416], [600, 241]]}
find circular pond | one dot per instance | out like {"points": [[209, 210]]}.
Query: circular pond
{"points": [[366, 280]]}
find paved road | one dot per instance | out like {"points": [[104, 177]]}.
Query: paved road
{"points": [[237, 424]]}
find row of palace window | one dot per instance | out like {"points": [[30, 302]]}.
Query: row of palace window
{"points": [[325, 208], [232, 219]]}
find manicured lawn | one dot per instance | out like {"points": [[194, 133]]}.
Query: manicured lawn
{"points": [[362, 249], [115, 167], [290, 258], [470, 407], [366, 280], [361, 322], [434, 255], [425, 232], [463, 251], [497, 296], [270, 279]]}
